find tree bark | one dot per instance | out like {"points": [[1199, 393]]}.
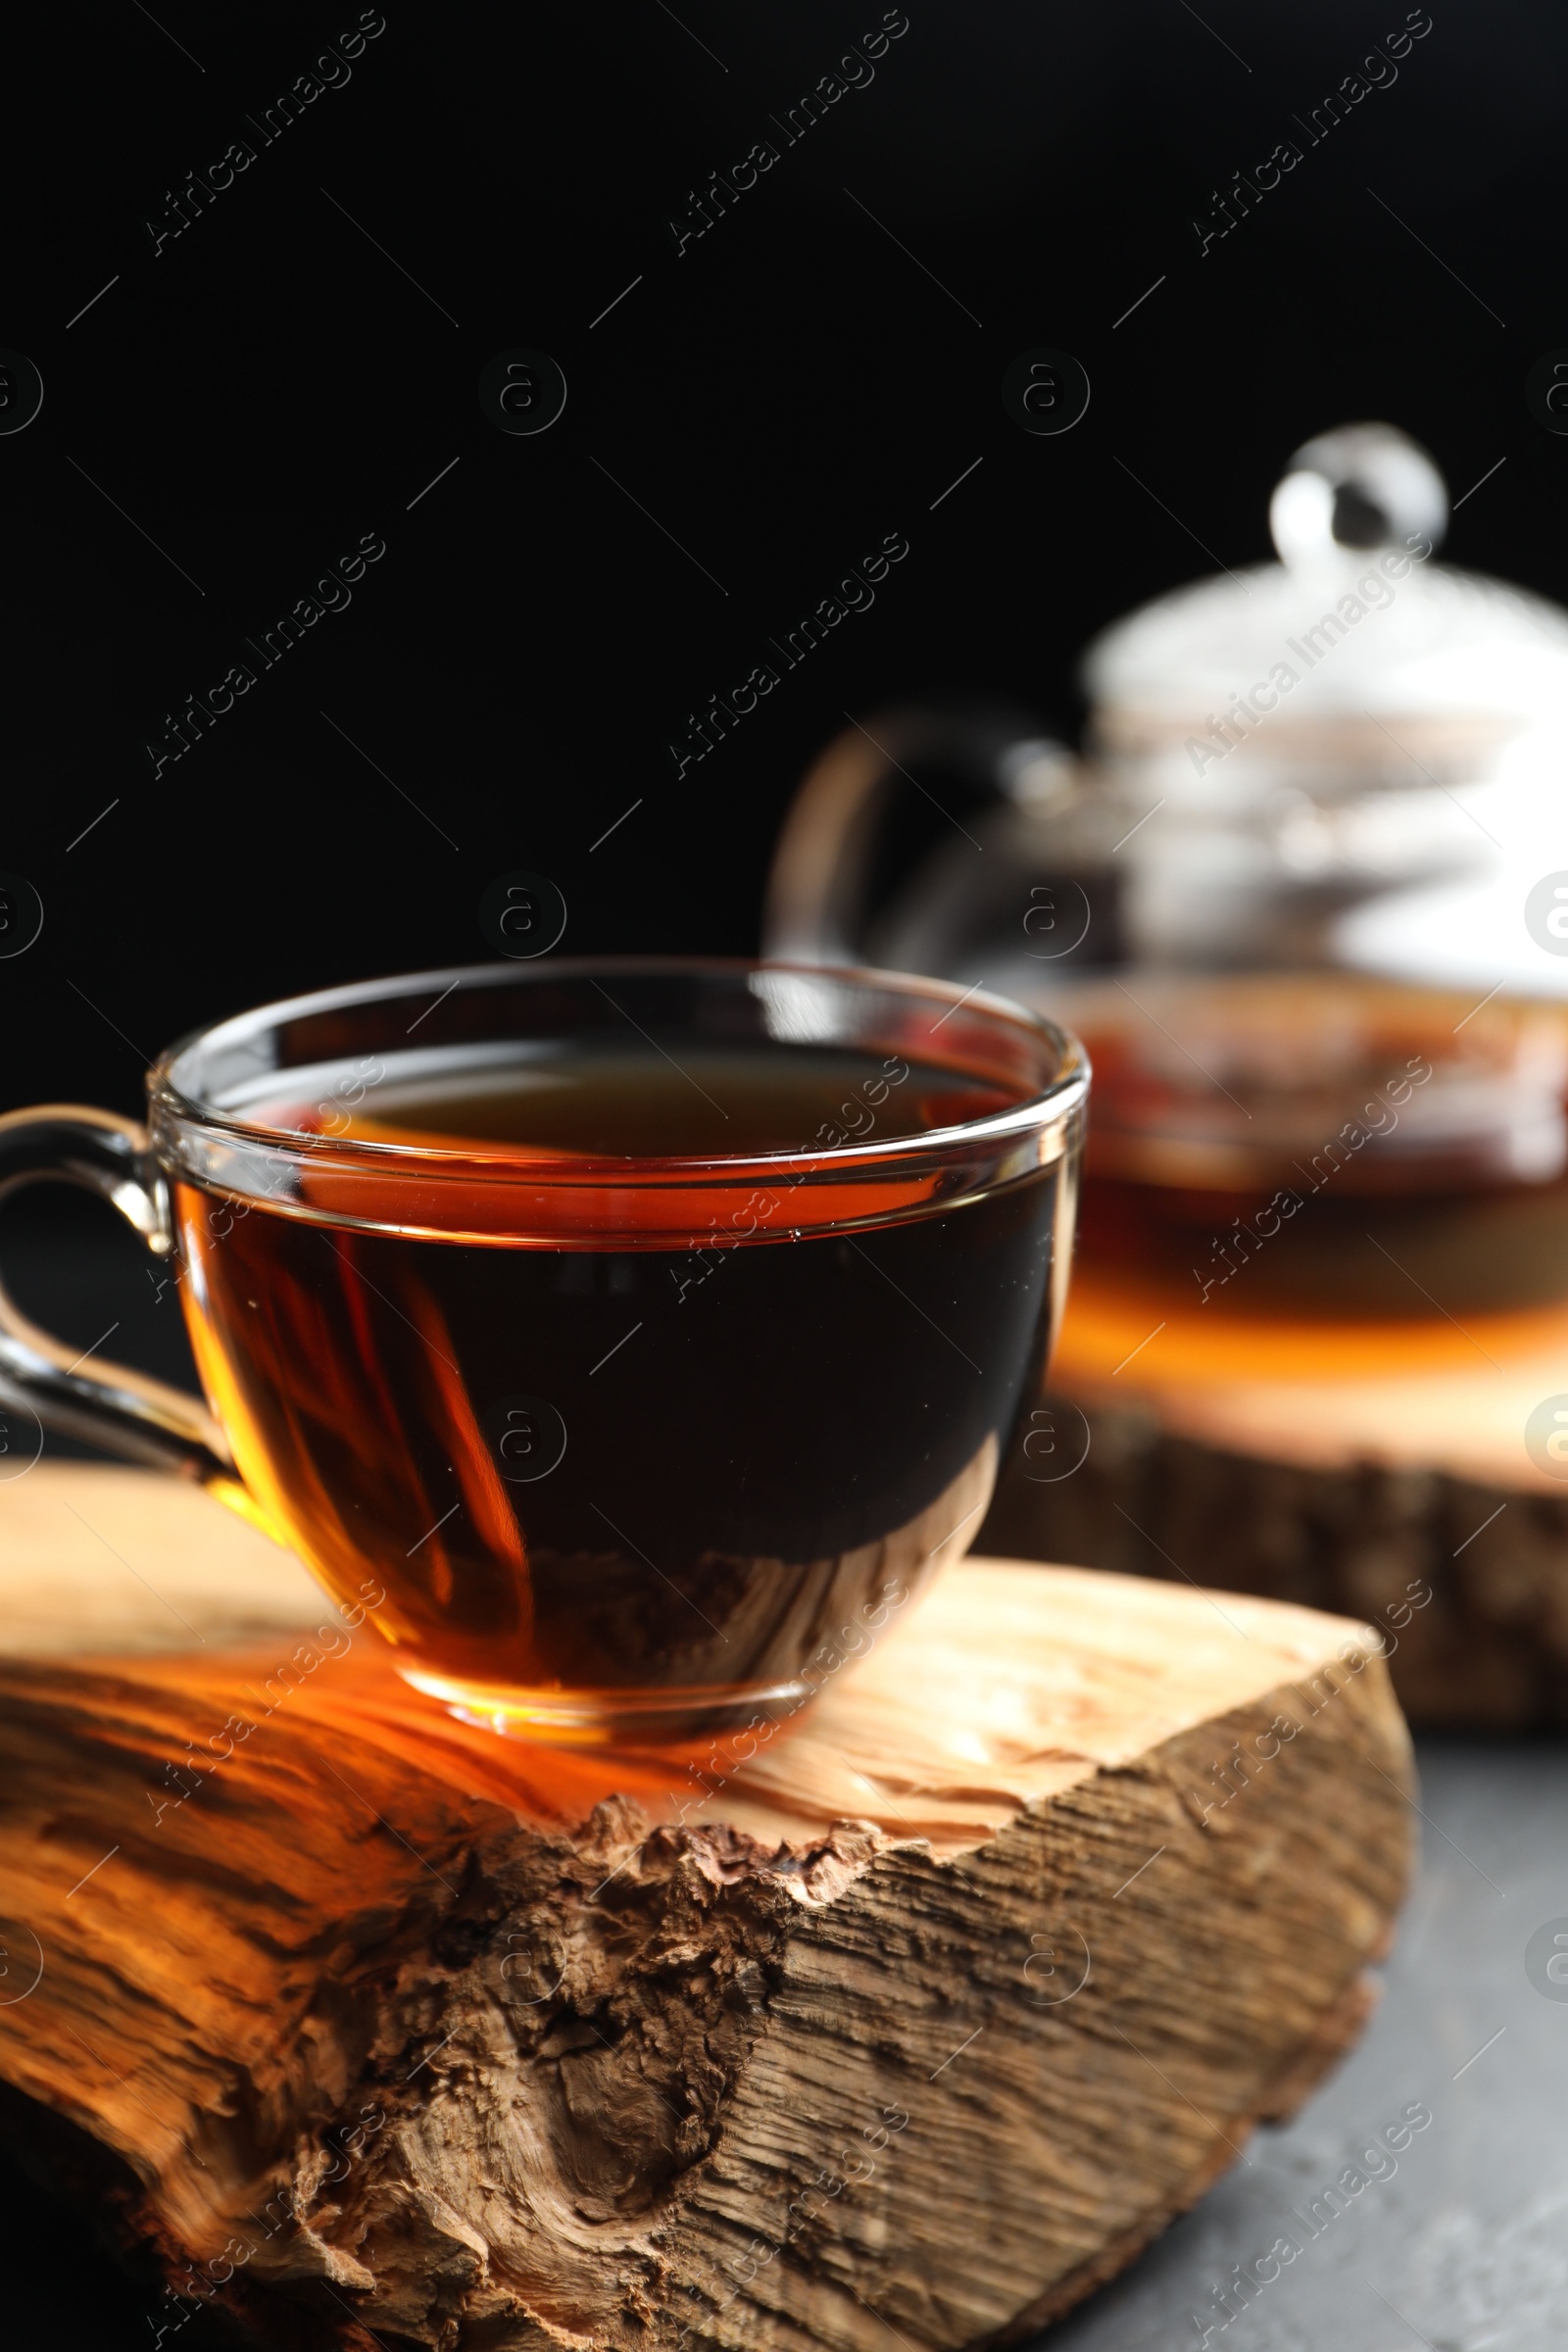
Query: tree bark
{"points": [[368, 2026]]}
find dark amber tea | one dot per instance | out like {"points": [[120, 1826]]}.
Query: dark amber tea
{"points": [[1318, 1146], [574, 1465], [636, 1327]]}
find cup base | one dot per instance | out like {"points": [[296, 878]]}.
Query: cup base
{"points": [[672, 1718]]}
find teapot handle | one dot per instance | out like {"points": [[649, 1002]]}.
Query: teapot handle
{"points": [[816, 909]]}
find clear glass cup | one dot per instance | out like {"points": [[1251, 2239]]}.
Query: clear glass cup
{"points": [[625, 1436]]}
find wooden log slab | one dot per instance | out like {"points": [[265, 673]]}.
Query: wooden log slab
{"points": [[1341, 1467], [368, 2026]]}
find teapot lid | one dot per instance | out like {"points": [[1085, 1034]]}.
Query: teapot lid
{"points": [[1356, 617]]}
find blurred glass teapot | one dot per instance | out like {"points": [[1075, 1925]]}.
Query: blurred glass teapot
{"points": [[1293, 856], [1270, 757]]}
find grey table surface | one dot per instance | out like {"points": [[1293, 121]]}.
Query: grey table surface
{"points": [[1463, 2243], [1462, 2240]]}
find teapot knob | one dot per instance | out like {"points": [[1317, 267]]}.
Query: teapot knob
{"points": [[1362, 486]]}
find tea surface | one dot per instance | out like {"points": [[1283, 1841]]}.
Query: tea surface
{"points": [[625, 1106]]}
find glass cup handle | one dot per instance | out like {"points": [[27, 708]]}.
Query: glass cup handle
{"points": [[107, 1404]]}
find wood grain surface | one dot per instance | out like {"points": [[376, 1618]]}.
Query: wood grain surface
{"points": [[364, 2024], [1344, 1468]]}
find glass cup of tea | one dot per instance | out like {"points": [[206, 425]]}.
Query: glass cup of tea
{"points": [[636, 1325]]}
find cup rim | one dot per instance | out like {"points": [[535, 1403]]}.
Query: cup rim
{"points": [[1065, 1093]]}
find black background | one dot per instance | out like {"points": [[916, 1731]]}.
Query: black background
{"points": [[778, 396], [797, 384]]}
